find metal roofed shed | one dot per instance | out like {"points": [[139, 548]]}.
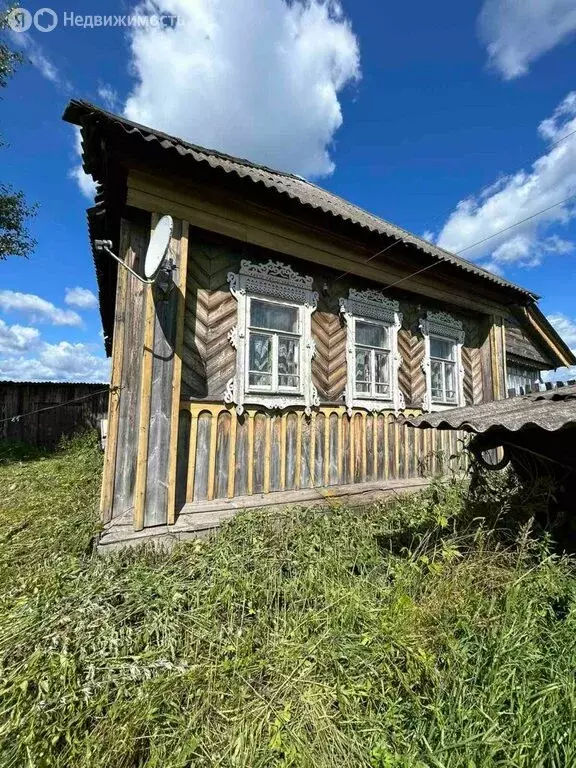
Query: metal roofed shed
{"points": [[537, 437], [550, 411]]}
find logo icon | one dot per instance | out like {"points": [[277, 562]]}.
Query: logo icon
{"points": [[45, 20], [19, 20]]}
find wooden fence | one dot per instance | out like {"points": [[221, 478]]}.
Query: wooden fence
{"points": [[28, 413]]}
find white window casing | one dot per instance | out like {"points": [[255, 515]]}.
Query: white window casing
{"points": [[264, 286], [372, 308], [447, 332]]}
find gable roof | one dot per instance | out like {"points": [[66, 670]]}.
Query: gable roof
{"points": [[280, 188], [286, 184]]}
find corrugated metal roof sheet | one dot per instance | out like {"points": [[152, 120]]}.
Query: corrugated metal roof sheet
{"points": [[551, 410], [287, 184]]}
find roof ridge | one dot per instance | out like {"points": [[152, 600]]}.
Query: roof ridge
{"points": [[326, 201]]}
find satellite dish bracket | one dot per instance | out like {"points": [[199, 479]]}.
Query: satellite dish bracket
{"points": [[163, 277]]}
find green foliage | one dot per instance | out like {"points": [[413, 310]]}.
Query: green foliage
{"points": [[9, 59], [14, 211], [304, 638]]}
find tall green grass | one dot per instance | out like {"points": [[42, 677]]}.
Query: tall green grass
{"points": [[391, 637]]}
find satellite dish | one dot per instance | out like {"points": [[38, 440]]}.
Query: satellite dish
{"points": [[157, 268], [158, 247]]}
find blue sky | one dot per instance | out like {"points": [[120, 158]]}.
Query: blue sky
{"points": [[441, 118]]}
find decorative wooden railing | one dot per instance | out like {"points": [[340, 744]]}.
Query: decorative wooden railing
{"points": [[222, 455]]}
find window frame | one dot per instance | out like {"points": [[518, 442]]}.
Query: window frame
{"points": [[444, 362], [518, 366], [371, 306], [442, 326], [250, 329], [276, 283]]}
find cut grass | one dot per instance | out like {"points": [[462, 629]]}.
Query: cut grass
{"points": [[307, 638]]}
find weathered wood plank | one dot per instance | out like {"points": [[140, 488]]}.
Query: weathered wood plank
{"points": [[163, 420], [223, 438], [138, 235], [260, 458], [180, 287], [202, 453]]}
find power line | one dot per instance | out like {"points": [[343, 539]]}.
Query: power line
{"points": [[468, 247], [517, 223], [400, 239]]}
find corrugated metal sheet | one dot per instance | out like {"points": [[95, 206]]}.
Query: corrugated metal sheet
{"points": [[551, 410], [286, 184]]}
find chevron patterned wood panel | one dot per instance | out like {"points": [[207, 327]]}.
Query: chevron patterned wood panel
{"points": [[411, 348], [209, 360], [472, 363], [329, 362]]}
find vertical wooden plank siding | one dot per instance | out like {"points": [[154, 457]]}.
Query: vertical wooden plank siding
{"points": [[145, 396], [497, 354], [263, 451], [250, 467], [298, 468], [192, 457], [107, 492], [283, 424], [232, 456], [326, 449], [177, 370], [137, 233], [212, 455], [163, 425], [312, 449]]}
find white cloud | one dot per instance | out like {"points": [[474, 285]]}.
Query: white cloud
{"points": [[17, 338], [255, 78], [57, 362], [38, 58], [566, 327], [551, 179], [37, 309], [517, 32], [81, 298], [108, 95], [85, 182]]}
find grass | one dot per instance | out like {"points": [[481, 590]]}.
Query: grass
{"points": [[397, 636]]}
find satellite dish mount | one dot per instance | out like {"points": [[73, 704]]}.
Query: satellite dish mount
{"points": [[158, 266]]}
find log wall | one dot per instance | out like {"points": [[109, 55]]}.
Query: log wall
{"points": [[209, 360], [222, 455]]}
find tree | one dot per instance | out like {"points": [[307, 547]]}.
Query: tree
{"points": [[14, 210]]}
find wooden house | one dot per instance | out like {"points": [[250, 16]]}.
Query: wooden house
{"points": [[299, 331]]}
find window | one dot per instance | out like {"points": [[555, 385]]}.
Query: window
{"points": [[520, 377], [443, 340], [273, 347], [372, 323], [443, 370], [372, 354], [272, 337]]}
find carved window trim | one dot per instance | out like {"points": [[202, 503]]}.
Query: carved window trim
{"points": [[278, 282], [371, 305], [444, 326]]}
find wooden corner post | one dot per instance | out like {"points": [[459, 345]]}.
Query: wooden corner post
{"points": [[161, 354], [498, 357]]}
